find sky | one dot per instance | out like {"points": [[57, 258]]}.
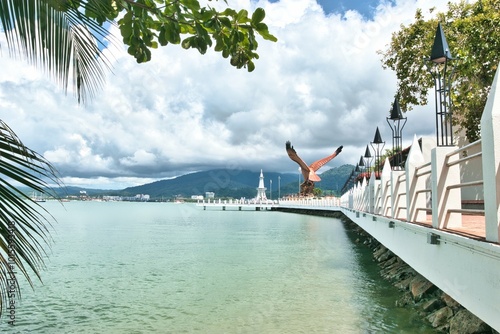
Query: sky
{"points": [[320, 86]]}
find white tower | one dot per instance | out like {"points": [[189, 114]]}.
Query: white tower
{"points": [[261, 190]]}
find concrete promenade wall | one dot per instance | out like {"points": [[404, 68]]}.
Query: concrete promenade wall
{"points": [[468, 270]]}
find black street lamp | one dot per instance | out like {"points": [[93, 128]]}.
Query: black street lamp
{"points": [[361, 165], [442, 72], [398, 123], [349, 183], [377, 140], [368, 158]]}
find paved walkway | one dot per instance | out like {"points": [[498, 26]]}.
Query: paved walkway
{"points": [[473, 226]]}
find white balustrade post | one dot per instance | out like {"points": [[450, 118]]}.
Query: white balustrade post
{"points": [[364, 195], [371, 193], [415, 202], [490, 141], [359, 196], [443, 199], [377, 196], [351, 199], [385, 189], [355, 198], [397, 189]]}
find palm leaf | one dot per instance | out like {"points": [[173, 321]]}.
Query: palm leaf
{"points": [[54, 35], [23, 223]]}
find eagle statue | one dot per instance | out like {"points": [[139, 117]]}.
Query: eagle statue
{"points": [[309, 172]]}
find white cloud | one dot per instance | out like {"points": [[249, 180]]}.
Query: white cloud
{"points": [[321, 86]]}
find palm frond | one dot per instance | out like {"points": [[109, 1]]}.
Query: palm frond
{"points": [[55, 36], [24, 224]]}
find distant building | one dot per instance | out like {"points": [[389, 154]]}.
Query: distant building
{"points": [[142, 197], [209, 194], [197, 197], [261, 190], [112, 198]]}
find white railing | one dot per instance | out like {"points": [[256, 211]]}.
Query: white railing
{"points": [[409, 195], [311, 202], [432, 186], [435, 187], [220, 202]]}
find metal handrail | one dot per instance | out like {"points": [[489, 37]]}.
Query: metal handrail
{"points": [[466, 184]]}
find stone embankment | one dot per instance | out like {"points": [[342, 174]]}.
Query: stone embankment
{"points": [[442, 311]]}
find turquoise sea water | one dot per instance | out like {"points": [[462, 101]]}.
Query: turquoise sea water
{"points": [[118, 267]]}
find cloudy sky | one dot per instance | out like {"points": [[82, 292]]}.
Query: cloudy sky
{"points": [[320, 86]]}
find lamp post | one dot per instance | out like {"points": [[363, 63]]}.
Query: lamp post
{"points": [[377, 140], [279, 188], [349, 183], [398, 123], [438, 66], [271, 190], [299, 182], [361, 166], [368, 158], [355, 173]]}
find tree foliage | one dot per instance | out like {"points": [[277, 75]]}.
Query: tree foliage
{"points": [[69, 35], [473, 34]]}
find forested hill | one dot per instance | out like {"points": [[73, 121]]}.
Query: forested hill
{"points": [[225, 183], [237, 183]]}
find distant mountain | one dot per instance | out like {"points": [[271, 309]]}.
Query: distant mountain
{"points": [[224, 183], [335, 178], [332, 181], [237, 183]]}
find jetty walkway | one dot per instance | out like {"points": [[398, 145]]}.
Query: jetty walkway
{"points": [[441, 214], [239, 205]]}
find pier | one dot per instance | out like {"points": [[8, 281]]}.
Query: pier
{"points": [[441, 214], [240, 205]]}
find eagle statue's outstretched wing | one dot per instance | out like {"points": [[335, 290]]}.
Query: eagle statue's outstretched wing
{"points": [[320, 163], [293, 155], [309, 172]]}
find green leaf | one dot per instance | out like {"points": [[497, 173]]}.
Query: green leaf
{"points": [[267, 36], [193, 5], [186, 43], [162, 38], [201, 45], [126, 26], [174, 33], [242, 16], [207, 14], [229, 12], [250, 66], [225, 22], [258, 16]]}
